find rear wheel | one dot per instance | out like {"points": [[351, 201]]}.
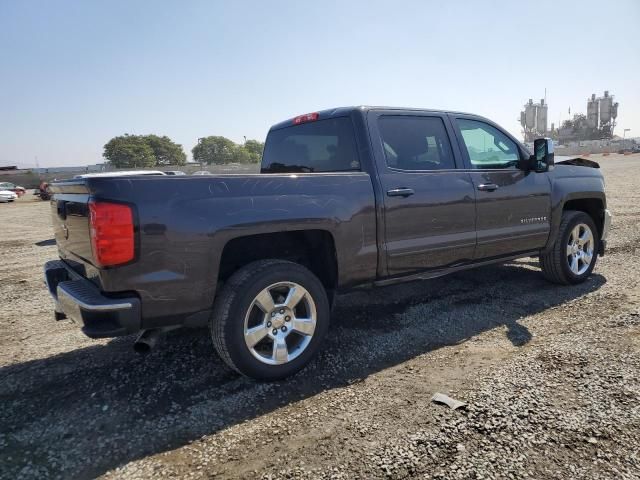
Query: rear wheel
{"points": [[574, 254], [270, 318]]}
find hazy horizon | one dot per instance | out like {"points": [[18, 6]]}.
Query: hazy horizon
{"points": [[75, 74]]}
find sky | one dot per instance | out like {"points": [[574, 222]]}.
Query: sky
{"points": [[73, 74]]}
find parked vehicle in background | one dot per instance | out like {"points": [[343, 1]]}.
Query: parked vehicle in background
{"points": [[202, 172], [356, 196], [632, 149], [174, 172], [7, 196], [17, 189]]}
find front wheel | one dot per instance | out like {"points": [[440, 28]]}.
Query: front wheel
{"points": [[270, 318], [574, 253]]}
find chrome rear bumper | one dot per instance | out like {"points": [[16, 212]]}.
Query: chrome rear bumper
{"points": [[80, 300]]}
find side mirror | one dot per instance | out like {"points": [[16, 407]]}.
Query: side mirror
{"points": [[543, 154]]}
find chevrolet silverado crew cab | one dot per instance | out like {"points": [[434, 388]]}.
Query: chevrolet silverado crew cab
{"points": [[348, 197]]}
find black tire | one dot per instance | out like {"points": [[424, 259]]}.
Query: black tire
{"points": [[554, 263], [233, 302]]}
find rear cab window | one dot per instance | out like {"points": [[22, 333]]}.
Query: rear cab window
{"points": [[415, 143], [317, 146]]}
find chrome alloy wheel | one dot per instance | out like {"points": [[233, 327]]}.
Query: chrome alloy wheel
{"points": [[280, 323], [580, 249]]}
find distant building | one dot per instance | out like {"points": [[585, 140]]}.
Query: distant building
{"points": [[98, 167], [533, 120], [598, 124]]}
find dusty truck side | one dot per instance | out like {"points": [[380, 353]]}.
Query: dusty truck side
{"points": [[349, 197]]}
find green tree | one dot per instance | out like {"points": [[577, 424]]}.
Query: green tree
{"points": [[241, 155], [255, 148], [214, 150], [165, 150], [129, 151]]}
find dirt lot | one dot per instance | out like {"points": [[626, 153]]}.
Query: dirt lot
{"points": [[551, 375]]}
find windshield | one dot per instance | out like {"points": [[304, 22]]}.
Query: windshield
{"points": [[320, 146]]}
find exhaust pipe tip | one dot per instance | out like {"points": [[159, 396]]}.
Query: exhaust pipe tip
{"points": [[141, 348], [148, 339]]}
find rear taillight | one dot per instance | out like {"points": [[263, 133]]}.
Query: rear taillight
{"points": [[111, 230], [307, 117]]}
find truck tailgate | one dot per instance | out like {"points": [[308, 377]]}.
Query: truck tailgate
{"points": [[70, 218]]}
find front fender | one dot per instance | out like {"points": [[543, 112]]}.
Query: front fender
{"points": [[567, 188]]}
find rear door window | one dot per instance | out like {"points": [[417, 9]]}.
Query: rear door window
{"points": [[415, 143], [319, 146]]}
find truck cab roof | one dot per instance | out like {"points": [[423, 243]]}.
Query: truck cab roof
{"points": [[347, 111]]}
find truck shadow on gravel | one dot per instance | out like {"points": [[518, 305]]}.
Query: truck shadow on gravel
{"points": [[46, 243], [84, 412]]}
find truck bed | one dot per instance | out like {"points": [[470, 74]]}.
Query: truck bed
{"points": [[184, 223]]}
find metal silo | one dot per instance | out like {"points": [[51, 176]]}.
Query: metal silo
{"points": [[530, 115], [541, 118], [606, 103], [592, 111]]}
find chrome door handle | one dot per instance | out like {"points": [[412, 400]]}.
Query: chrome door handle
{"points": [[487, 187], [400, 192]]}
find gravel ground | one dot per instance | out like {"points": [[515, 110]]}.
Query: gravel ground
{"points": [[550, 375]]}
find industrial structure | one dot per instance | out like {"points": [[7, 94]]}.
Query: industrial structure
{"points": [[597, 124], [534, 120], [608, 113]]}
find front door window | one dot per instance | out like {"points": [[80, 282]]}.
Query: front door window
{"points": [[487, 146]]}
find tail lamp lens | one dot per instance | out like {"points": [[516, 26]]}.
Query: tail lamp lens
{"points": [[112, 235]]}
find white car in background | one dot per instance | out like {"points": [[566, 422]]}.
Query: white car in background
{"points": [[7, 196], [12, 187]]}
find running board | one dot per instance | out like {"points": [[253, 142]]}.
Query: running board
{"points": [[426, 275]]}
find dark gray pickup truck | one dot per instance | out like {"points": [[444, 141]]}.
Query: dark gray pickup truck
{"points": [[347, 197]]}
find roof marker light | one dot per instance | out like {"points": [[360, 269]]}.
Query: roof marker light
{"points": [[307, 117]]}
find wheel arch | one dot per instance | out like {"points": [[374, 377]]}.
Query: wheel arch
{"points": [[313, 248], [592, 203], [594, 207]]}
